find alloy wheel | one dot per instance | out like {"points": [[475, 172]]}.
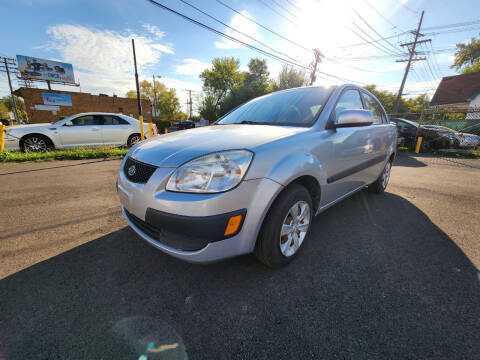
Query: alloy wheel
{"points": [[386, 174], [294, 228], [35, 144]]}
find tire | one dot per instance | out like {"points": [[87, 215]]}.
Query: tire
{"points": [[133, 139], [275, 250], [381, 183], [36, 143]]}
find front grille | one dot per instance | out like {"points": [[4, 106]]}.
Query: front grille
{"points": [[173, 240], [138, 172]]}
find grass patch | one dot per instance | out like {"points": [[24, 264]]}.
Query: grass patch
{"points": [[70, 154]]}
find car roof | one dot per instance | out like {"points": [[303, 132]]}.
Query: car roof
{"points": [[405, 120]]}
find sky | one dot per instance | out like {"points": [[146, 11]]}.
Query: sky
{"points": [[95, 36]]}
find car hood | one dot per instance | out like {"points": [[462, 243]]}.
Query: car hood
{"points": [[176, 148], [24, 128]]}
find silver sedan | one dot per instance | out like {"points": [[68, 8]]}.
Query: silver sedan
{"points": [[253, 181]]}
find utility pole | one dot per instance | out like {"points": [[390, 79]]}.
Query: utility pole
{"points": [[139, 102], [189, 103], [412, 52], [7, 63], [318, 58], [154, 97]]}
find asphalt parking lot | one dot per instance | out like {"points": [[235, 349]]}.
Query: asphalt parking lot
{"points": [[384, 276]]}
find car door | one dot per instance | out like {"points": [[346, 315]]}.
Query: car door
{"points": [[83, 131], [381, 136], [351, 149], [407, 131], [114, 129]]}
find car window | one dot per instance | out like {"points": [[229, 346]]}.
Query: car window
{"points": [[372, 105], [350, 100], [86, 120], [294, 107], [113, 120]]}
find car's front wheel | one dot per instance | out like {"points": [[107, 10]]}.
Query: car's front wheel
{"points": [[286, 227], [36, 143]]}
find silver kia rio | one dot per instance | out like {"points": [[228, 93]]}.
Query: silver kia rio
{"points": [[253, 181]]}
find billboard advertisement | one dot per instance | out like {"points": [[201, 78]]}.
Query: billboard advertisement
{"points": [[57, 99], [41, 69]]}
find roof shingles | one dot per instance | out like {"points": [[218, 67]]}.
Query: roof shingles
{"points": [[456, 89]]}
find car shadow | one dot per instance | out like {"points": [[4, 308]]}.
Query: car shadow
{"points": [[407, 160], [377, 279]]}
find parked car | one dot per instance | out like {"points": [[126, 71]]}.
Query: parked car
{"points": [[5, 122], [432, 138], [253, 181], [186, 124], [86, 129], [459, 139]]}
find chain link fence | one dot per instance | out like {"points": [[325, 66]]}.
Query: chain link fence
{"points": [[450, 131]]}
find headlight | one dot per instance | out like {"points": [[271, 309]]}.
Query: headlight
{"points": [[211, 173]]}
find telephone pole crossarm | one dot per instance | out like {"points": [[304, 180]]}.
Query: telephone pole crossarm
{"points": [[409, 63]]}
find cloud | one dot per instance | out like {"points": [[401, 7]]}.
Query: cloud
{"points": [[241, 24], [102, 59], [192, 67], [154, 30]]}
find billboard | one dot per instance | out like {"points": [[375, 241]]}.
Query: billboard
{"points": [[57, 99], [41, 69]]}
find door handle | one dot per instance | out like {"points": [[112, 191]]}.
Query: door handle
{"points": [[95, 128]]}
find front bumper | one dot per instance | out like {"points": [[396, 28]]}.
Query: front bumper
{"points": [[11, 143], [199, 240]]}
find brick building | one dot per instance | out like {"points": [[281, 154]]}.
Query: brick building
{"points": [[41, 109]]}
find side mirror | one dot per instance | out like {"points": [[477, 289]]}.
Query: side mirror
{"points": [[352, 118], [68, 123]]}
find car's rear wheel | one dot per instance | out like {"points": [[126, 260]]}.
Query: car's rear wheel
{"points": [[381, 183], [134, 139], [286, 227], [36, 143]]}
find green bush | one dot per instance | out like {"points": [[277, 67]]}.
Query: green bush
{"points": [[71, 154], [162, 125]]}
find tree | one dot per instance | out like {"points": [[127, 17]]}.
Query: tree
{"points": [[467, 57], [6, 106], [289, 77], [168, 104], [256, 83], [387, 99], [218, 82]]}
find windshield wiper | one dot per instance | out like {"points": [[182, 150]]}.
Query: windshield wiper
{"points": [[253, 122]]}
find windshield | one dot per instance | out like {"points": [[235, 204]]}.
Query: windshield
{"points": [[296, 107], [64, 120]]}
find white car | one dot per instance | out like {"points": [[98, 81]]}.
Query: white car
{"points": [[85, 129]]}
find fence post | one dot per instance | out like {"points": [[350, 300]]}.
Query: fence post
{"points": [[150, 130], [2, 137], [142, 135]]}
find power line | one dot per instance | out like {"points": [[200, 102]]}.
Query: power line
{"points": [[238, 31], [277, 12], [381, 15], [446, 26], [283, 8], [293, 5], [276, 57], [375, 31], [377, 46], [264, 27]]}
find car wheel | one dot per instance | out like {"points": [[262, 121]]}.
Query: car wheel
{"points": [[286, 227], [36, 143], [134, 139], [381, 183]]}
